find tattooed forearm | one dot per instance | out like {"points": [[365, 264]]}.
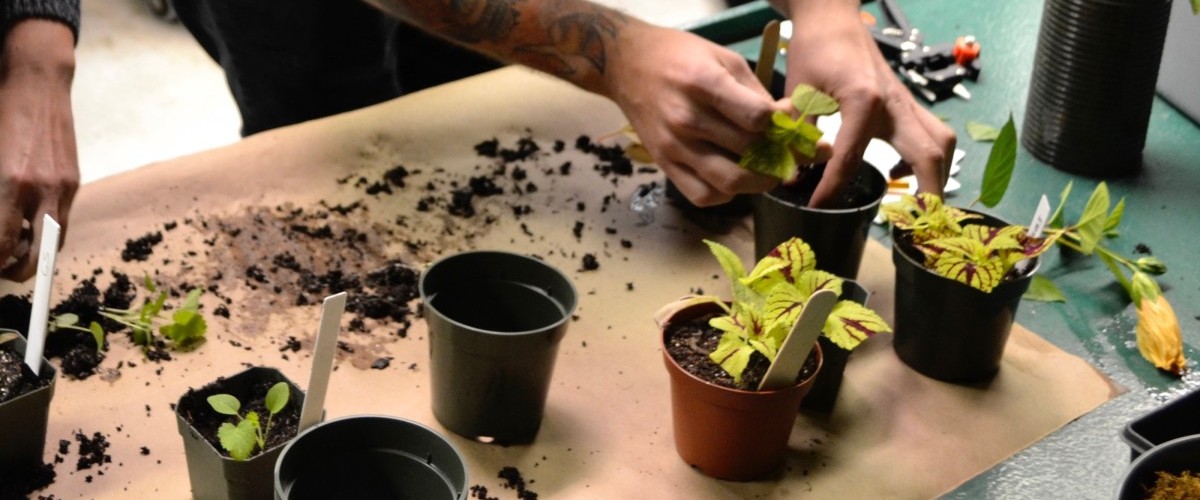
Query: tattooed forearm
{"points": [[573, 39]]}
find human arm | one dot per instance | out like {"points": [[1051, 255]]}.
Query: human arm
{"points": [[696, 106], [39, 171], [831, 50]]}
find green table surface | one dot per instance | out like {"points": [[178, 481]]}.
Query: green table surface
{"points": [[1087, 458]]}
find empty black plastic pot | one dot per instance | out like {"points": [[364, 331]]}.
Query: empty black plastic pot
{"points": [[825, 389], [495, 323], [837, 235], [213, 474], [948, 330], [1172, 457], [368, 457], [23, 419]]}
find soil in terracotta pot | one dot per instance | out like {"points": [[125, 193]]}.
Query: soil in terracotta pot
{"points": [[855, 194], [690, 342], [15, 376], [197, 412]]}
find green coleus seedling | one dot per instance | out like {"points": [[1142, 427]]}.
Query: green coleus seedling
{"points": [[768, 300], [785, 137], [242, 438]]}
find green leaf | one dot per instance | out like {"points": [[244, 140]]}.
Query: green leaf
{"points": [[239, 440], [729, 261], [1114, 219], [769, 158], [812, 102], [186, 330], [1000, 163], [65, 320], [735, 363], [1091, 223], [982, 132], [225, 404], [1056, 220], [850, 323], [1043, 290], [98, 334], [277, 397], [192, 302], [1195, 6]]}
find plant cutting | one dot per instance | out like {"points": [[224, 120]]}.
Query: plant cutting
{"points": [[184, 329], [716, 354]]}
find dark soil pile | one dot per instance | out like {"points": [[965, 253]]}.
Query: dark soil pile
{"points": [[19, 484], [15, 376], [140, 249], [855, 194], [690, 342], [195, 410]]}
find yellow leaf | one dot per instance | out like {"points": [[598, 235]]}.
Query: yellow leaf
{"points": [[1158, 336]]}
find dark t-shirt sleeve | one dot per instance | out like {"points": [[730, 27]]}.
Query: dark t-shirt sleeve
{"points": [[64, 11]]}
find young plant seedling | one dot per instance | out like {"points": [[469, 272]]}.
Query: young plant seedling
{"points": [[768, 301], [248, 434], [186, 327], [70, 321], [786, 138]]}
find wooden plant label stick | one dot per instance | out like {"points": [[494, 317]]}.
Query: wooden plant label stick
{"points": [[794, 351], [40, 314], [318, 382], [765, 70]]}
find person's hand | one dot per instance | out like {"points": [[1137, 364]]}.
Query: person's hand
{"points": [[696, 107], [39, 169], [831, 50]]}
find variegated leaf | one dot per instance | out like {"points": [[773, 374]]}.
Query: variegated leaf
{"points": [[798, 256], [995, 239], [784, 303], [735, 363], [815, 280], [850, 323], [964, 267]]}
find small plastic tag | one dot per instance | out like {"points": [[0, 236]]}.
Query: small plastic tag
{"points": [[1038, 224]]}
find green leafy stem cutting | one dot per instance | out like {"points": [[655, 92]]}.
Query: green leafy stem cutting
{"points": [[185, 330], [776, 153], [768, 301], [242, 438]]}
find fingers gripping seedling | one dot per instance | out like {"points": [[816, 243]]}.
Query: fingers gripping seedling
{"points": [[248, 434]]}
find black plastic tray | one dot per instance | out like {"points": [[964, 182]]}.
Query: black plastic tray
{"points": [[1173, 420]]}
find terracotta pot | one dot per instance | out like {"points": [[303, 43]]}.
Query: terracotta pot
{"points": [[948, 330], [213, 474], [727, 433]]}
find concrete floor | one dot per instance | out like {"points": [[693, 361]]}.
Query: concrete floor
{"points": [[144, 90]]}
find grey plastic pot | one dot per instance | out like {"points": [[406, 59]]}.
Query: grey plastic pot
{"points": [[1174, 457], [23, 419], [213, 474], [828, 384], [370, 457], [836, 235], [495, 322], [948, 330]]}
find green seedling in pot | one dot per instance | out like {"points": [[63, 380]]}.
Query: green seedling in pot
{"points": [[240, 439], [769, 299]]}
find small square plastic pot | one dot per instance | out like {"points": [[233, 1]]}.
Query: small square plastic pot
{"points": [[23, 419], [948, 330], [1165, 423], [836, 235], [369, 456], [213, 474], [495, 322], [727, 433]]}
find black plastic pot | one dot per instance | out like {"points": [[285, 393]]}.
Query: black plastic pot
{"points": [[370, 457], [495, 323], [23, 419], [1174, 457], [213, 474], [1165, 423], [825, 389], [837, 235], [948, 330]]}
